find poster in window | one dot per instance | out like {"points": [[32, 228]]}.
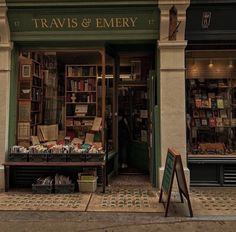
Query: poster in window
{"points": [[26, 71]]}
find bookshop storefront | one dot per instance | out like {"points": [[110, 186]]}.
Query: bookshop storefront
{"points": [[210, 94], [76, 69]]}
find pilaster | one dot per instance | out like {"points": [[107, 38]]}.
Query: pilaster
{"points": [[172, 83], [5, 63]]}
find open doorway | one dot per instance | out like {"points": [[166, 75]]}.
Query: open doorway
{"points": [[134, 113]]}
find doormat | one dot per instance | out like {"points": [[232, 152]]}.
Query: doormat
{"points": [[126, 200], [44, 202]]}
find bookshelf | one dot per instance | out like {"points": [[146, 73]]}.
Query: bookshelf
{"points": [[50, 89], [80, 98], [211, 114], [29, 100]]}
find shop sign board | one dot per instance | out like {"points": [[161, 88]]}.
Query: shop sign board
{"points": [[48, 20], [174, 166]]}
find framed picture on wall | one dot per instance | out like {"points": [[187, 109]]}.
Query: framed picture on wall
{"points": [[26, 71]]}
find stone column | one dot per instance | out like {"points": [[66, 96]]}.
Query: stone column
{"points": [[5, 62], [172, 83]]}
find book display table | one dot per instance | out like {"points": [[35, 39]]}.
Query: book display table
{"points": [[9, 165]]}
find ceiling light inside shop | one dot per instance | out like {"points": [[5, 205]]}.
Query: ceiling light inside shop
{"points": [[210, 65], [231, 64]]}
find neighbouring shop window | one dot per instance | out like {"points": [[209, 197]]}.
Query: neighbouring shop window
{"points": [[211, 103]]}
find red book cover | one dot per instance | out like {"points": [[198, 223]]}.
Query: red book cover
{"points": [[212, 122]]}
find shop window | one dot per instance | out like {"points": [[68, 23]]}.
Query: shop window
{"points": [[210, 102], [61, 98]]}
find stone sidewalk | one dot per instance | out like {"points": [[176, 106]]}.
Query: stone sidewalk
{"points": [[205, 201]]}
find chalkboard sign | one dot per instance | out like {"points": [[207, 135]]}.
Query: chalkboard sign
{"points": [[173, 166], [168, 172]]}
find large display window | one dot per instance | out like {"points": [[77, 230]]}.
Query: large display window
{"points": [[63, 97], [211, 103]]}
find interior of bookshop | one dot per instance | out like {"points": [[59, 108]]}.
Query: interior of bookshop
{"points": [[72, 101], [211, 103]]}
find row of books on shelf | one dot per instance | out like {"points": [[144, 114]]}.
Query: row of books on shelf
{"points": [[81, 110], [93, 124], [206, 113], [212, 83], [81, 98], [214, 103], [213, 122], [73, 122], [78, 71], [82, 85]]}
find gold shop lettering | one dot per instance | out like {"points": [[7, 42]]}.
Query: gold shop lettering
{"points": [[116, 22], [73, 23], [43, 23]]}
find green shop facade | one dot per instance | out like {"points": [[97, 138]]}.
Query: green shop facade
{"points": [[138, 51]]}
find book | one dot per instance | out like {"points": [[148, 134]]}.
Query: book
{"points": [[202, 114], [69, 122], [198, 103], [196, 114], [223, 114], [23, 131], [213, 103], [205, 103], [211, 95], [220, 103], [204, 122], [212, 122], [219, 122], [143, 135], [89, 137], [81, 110], [197, 122], [96, 124], [209, 113], [47, 132], [35, 140], [226, 103], [226, 122]]}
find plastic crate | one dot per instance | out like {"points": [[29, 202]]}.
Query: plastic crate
{"points": [[76, 157], [87, 185], [37, 157], [95, 157], [65, 188], [42, 189], [59, 157], [18, 157]]}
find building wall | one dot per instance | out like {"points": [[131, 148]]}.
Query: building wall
{"points": [[172, 83], [5, 56]]}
